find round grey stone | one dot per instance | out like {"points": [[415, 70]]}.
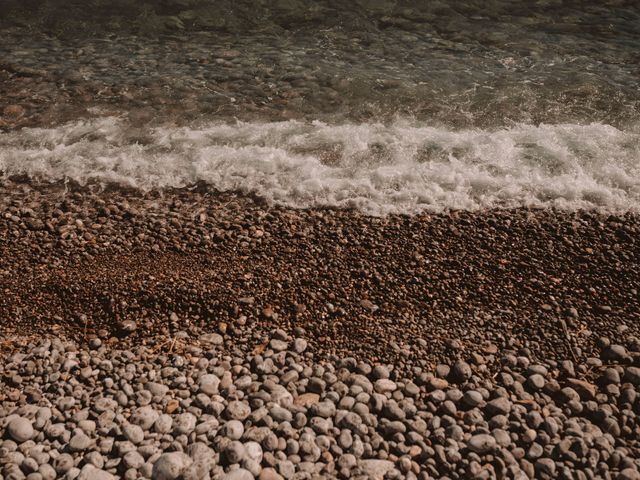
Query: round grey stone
{"points": [[235, 452], [20, 429], [482, 443], [104, 404], [270, 473], [47, 472], [280, 414], [253, 451], [611, 376], [89, 472], [498, 406], [347, 461], [184, 423], [473, 399], [237, 410], [384, 385], [632, 375], [209, 384], [95, 459], [278, 345], [133, 433], [233, 430], [286, 468], [616, 353], [63, 463], [79, 441], [536, 381], [170, 466], [281, 396], [374, 468], [324, 409], [239, 474], [461, 371], [380, 371], [133, 460], [145, 417], [545, 466], [157, 389], [299, 345], [628, 474], [163, 424]]}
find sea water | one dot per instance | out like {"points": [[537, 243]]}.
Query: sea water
{"points": [[383, 106]]}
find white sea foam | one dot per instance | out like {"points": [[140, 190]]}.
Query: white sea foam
{"points": [[396, 168]]}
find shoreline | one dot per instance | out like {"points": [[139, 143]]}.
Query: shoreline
{"points": [[399, 289]]}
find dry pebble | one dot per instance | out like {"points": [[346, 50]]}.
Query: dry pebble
{"points": [[20, 429], [376, 424], [252, 355]]}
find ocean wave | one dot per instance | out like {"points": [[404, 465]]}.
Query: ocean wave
{"points": [[401, 167]]}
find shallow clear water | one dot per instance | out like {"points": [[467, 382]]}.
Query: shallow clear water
{"points": [[382, 105]]}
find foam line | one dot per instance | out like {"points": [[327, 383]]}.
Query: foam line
{"points": [[401, 167]]}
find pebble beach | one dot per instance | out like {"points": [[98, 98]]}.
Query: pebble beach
{"points": [[306, 240], [190, 335]]}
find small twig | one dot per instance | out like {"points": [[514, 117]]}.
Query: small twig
{"points": [[566, 332], [158, 346], [84, 330], [173, 343]]}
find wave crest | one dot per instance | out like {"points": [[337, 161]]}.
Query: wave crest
{"points": [[401, 167]]}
